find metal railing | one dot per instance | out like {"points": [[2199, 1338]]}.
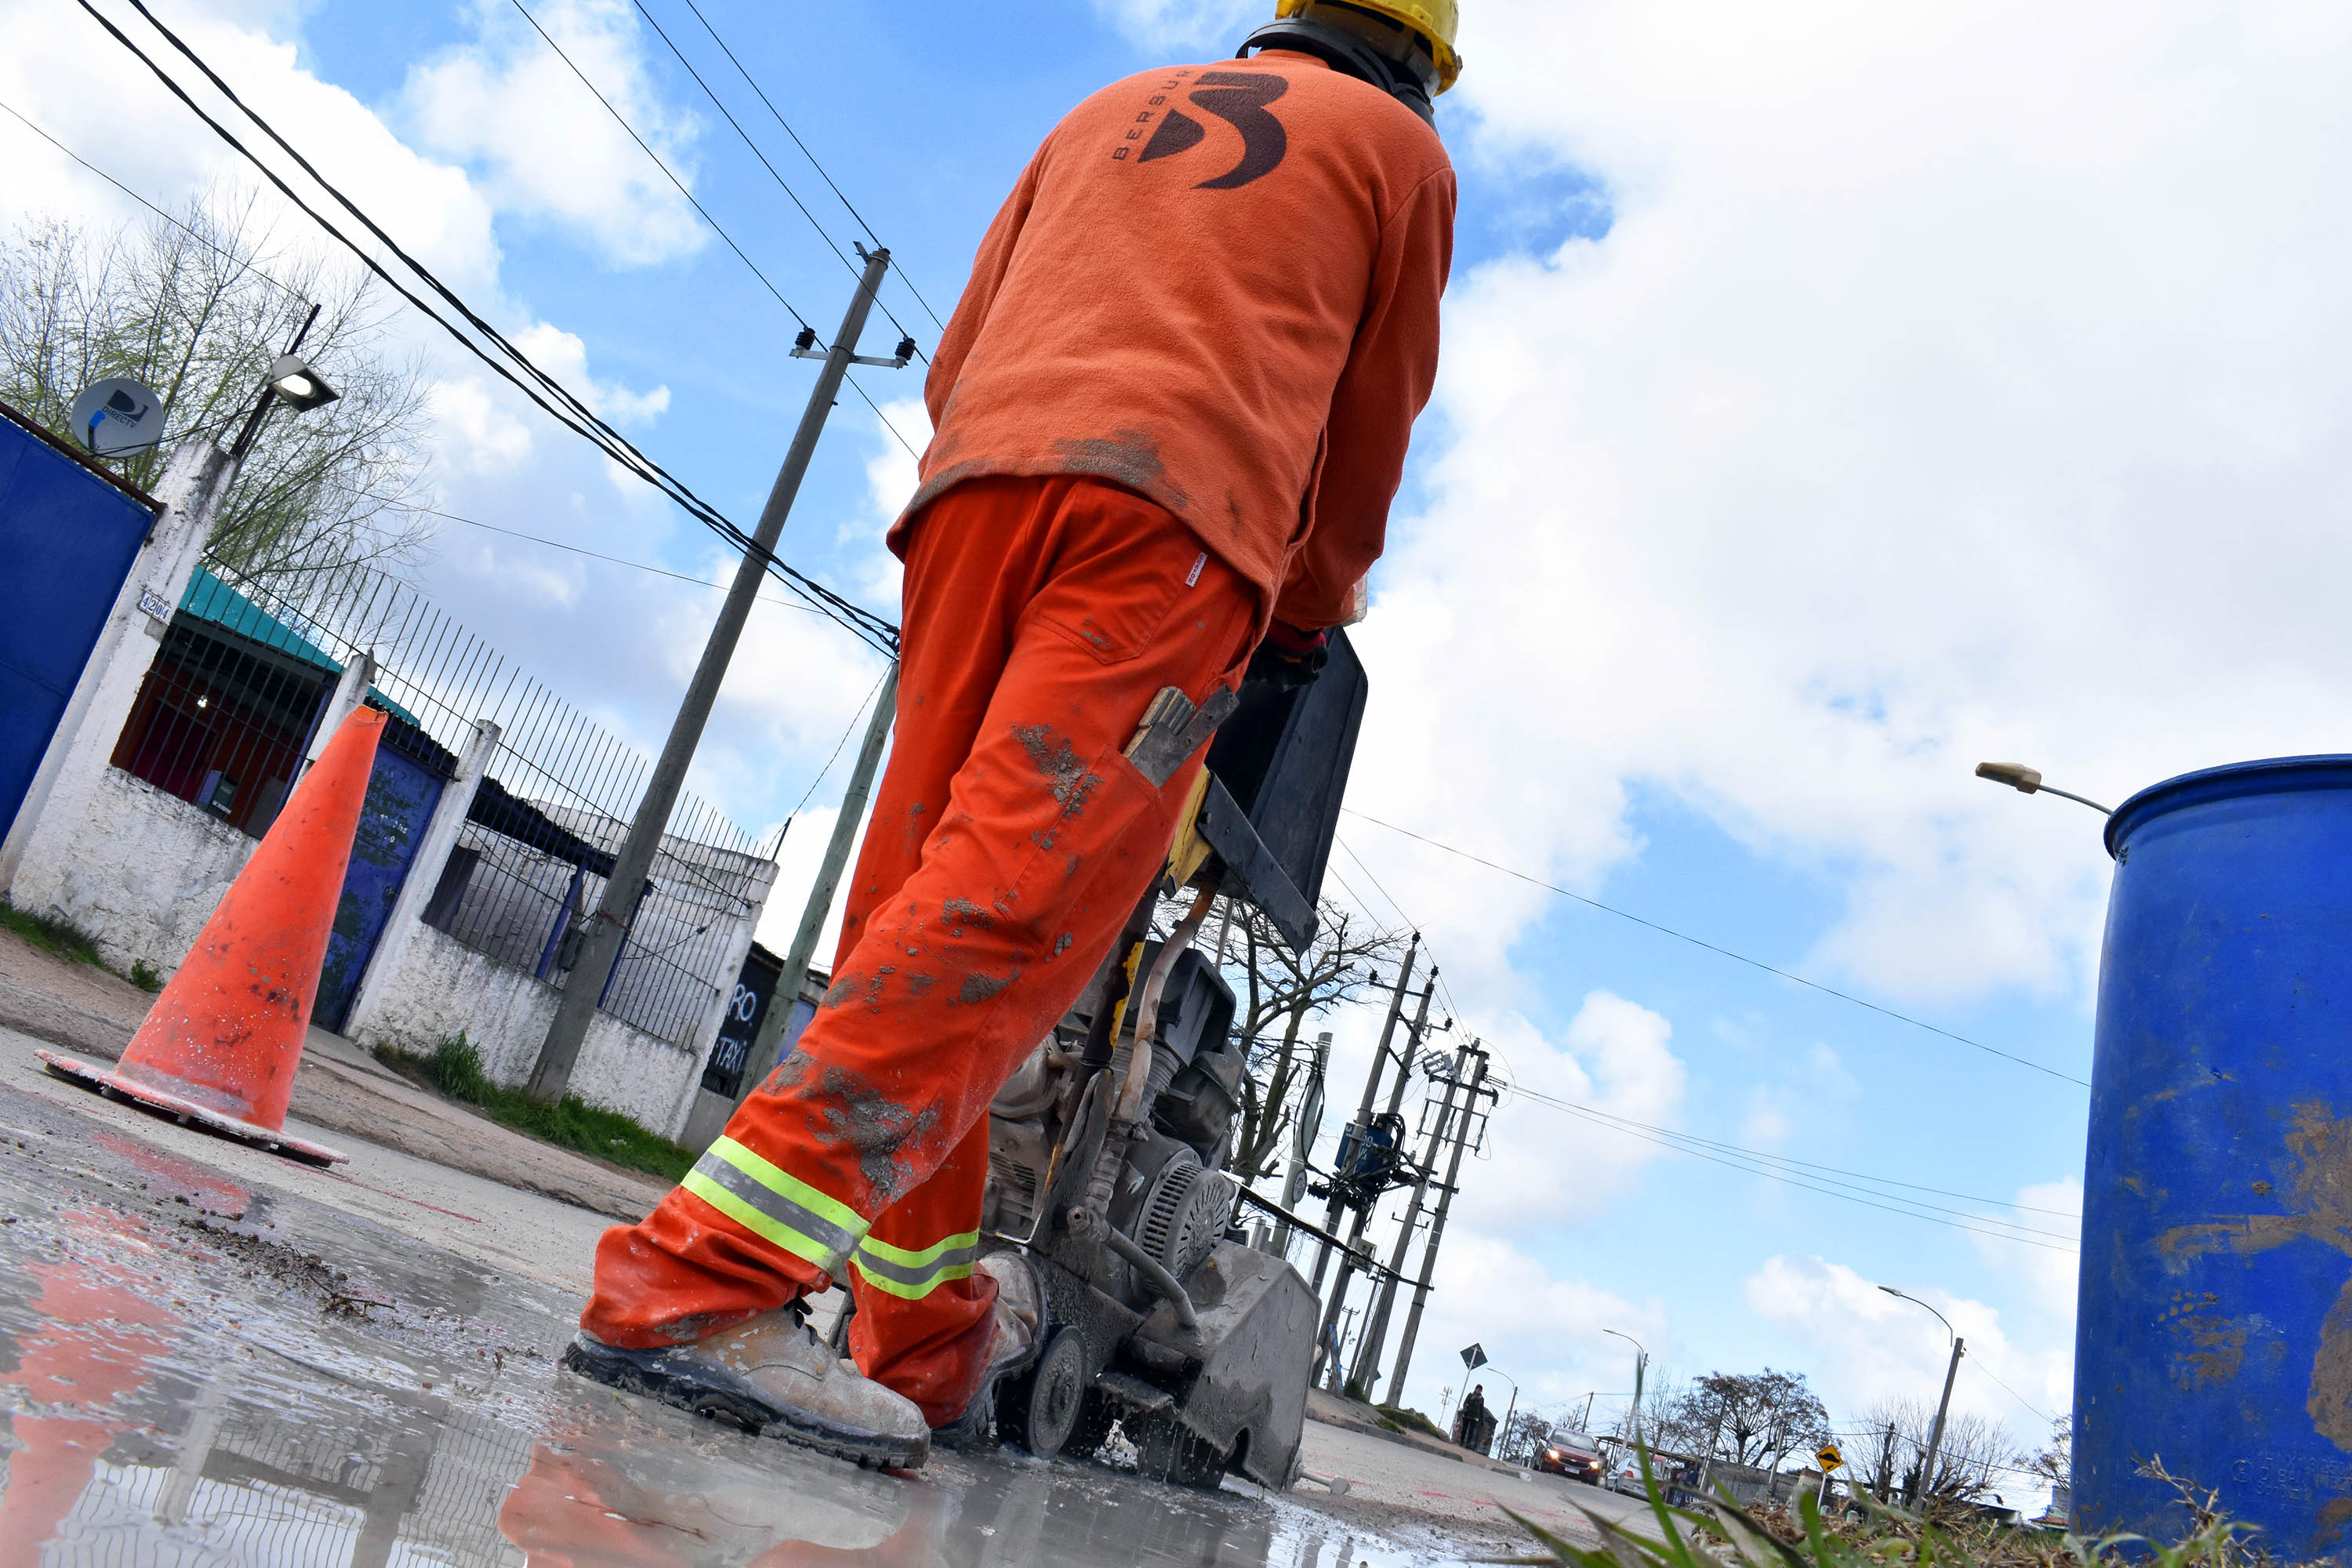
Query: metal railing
{"points": [[238, 686]]}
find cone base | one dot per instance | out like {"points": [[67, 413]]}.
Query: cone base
{"points": [[114, 1086]]}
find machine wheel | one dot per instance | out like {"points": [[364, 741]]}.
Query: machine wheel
{"points": [[1167, 1450], [1041, 1409]]}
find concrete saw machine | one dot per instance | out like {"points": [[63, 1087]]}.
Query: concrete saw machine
{"points": [[1106, 1149]]}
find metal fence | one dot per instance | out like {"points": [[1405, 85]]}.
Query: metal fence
{"points": [[236, 690]]}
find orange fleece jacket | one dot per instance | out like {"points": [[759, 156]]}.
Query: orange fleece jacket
{"points": [[1216, 285]]}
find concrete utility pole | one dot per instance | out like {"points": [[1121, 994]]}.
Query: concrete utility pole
{"points": [[608, 928], [1371, 1092], [1294, 1186], [1935, 1433], [1437, 1221], [1376, 1332], [761, 1059], [1364, 1214]]}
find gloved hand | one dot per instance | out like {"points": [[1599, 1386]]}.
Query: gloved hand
{"points": [[1290, 657]]}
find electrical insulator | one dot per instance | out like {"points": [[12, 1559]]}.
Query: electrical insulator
{"points": [[905, 349], [806, 341]]}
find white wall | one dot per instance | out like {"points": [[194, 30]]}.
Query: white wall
{"points": [[442, 987], [138, 870]]}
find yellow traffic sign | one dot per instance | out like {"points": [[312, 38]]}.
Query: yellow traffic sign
{"points": [[1829, 1457]]}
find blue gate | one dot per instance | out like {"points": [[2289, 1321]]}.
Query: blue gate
{"points": [[69, 535], [410, 773]]}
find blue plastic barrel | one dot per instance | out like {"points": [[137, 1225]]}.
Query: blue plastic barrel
{"points": [[2216, 1322]]}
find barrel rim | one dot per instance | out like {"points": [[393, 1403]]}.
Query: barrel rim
{"points": [[2230, 781]]}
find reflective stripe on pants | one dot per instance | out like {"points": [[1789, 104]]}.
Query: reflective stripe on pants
{"points": [[912, 1276]]}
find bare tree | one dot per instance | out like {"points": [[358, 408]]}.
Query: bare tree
{"points": [[1971, 1449], [198, 309], [2053, 1461], [1278, 992], [1748, 1418]]}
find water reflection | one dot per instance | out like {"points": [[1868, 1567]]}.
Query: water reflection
{"points": [[173, 1396]]}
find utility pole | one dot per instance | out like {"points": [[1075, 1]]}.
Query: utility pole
{"points": [[762, 1058], [1886, 1465], [1584, 1425], [1923, 1491], [1437, 1221], [1364, 1214], [608, 928], [1294, 1186], [1364, 1110], [1375, 1333]]}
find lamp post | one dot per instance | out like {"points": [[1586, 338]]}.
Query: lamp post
{"points": [[2026, 781], [1935, 1433], [1641, 1366]]}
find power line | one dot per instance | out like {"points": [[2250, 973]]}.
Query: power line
{"points": [[1910, 1212], [838, 746], [1723, 952], [671, 175], [855, 271], [1769, 1165], [836, 190], [581, 420], [1808, 1166], [622, 122], [594, 554]]}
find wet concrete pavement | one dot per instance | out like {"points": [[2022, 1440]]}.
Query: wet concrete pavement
{"points": [[198, 1366]]}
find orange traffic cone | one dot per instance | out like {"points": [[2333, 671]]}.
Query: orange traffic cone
{"points": [[221, 1044]]}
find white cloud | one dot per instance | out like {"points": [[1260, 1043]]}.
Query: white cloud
{"points": [[508, 108], [1869, 1345], [1615, 1056], [565, 357], [1183, 24], [473, 433], [2050, 1278], [1544, 1331], [1950, 386]]}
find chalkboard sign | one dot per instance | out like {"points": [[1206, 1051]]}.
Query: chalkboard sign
{"points": [[723, 1073]]}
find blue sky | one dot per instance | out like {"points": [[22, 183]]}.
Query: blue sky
{"points": [[1831, 401]]}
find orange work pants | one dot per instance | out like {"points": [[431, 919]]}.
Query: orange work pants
{"points": [[1010, 839]]}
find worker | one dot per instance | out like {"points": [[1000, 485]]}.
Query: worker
{"points": [[1169, 413]]}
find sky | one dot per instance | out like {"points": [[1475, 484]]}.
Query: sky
{"points": [[1835, 396]]}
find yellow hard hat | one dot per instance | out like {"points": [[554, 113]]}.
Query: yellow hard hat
{"points": [[1434, 20]]}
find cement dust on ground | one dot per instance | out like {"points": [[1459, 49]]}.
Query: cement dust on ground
{"points": [[214, 1355]]}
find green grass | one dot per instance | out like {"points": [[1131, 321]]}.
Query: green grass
{"points": [[1396, 1418], [1878, 1537], [51, 934], [454, 1068]]}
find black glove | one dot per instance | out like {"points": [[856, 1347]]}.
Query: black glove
{"points": [[1289, 656]]}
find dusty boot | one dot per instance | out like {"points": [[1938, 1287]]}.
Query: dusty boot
{"points": [[1020, 1313], [773, 1376]]}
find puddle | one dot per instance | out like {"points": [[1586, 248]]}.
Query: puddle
{"points": [[197, 1373]]}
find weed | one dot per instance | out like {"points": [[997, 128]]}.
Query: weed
{"points": [[1398, 1418], [143, 975], [51, 934], [454, 1068], [1880, 1537]]}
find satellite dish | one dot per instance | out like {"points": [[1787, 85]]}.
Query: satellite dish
{"points": [[118, 415]]}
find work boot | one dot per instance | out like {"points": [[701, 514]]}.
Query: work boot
{"points": [[1019, 1315], [773, 1377]]}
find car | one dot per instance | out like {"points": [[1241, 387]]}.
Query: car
{"points": [[1571, 1454], [1625, 1476]]}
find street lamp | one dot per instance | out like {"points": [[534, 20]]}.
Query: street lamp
{"points": [[291, 381], [1960, 1348], [2025, 781], [1641, 1365]]}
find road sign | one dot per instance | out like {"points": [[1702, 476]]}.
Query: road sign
{"points": [[1474, 1357], [118, 415], [1829, 1457]]}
